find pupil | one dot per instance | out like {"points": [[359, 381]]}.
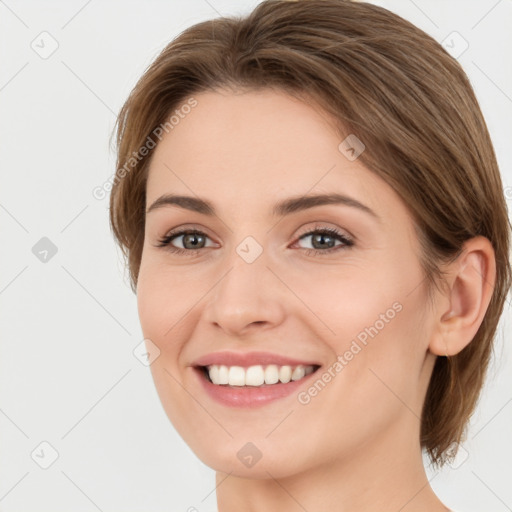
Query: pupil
{"points": [[322, 238], [194, 243]]}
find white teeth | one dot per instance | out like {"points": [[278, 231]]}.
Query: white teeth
{"points": [[298, 372], [285, 374], [223, 377], [256, 375], [271, 374], [236, 376], [214, 374]]}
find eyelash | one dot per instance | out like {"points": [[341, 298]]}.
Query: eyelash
{"points": [[166, 241]]}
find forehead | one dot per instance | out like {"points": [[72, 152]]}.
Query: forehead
{"points": [[247, 147], [250, 129]]}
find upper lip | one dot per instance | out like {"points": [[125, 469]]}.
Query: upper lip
{"points": [[249, 359]]}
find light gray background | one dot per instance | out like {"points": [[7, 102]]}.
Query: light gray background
{"points": [[68, 375]]}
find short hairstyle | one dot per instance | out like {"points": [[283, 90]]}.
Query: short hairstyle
{"points": [[397, 90]]}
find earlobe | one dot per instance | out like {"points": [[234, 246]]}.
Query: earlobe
{"points": [[461, 311]]}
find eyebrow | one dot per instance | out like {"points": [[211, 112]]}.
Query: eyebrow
{"points": [[285, 207]]}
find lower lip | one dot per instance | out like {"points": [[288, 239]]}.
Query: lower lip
{"points": [[249, 396]]}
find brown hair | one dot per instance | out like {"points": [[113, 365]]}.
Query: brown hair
{"points": [[394, 87]]}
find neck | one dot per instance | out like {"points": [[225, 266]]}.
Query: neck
{"points": [[386, 473]]}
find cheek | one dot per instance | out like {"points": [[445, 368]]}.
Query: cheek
{"points": [[151, 302], [162, 309], [163, 294], [162, 304], [376, 331], [372, 383]]}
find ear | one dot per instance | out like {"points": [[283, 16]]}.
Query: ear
{"points": [[470, 283]]}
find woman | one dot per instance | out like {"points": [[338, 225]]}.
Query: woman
{"points": [[314, 222]]}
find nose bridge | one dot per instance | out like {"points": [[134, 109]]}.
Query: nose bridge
{"points": [[248, 292]]}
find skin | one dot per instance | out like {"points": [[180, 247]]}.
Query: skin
{"points": [[355, 446]]}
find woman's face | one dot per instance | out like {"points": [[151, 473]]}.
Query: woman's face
{"points": [[267, 287]]}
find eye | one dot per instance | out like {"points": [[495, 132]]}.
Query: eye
{"points": [[326, 238], [193, 240]]}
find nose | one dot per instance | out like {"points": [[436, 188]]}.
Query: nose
{"points": [[247, 295]]}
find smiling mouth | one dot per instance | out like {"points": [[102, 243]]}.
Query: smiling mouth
{"points": [[255, 376]]}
